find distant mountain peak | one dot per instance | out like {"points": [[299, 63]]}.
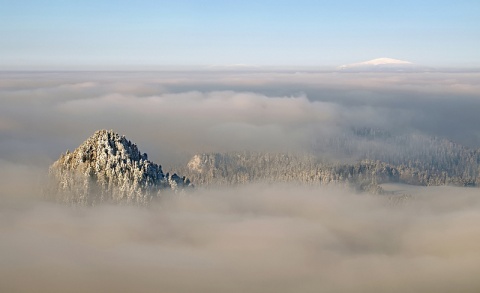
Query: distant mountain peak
{"points": [[108, 167], [381, 61], [380, 64]]}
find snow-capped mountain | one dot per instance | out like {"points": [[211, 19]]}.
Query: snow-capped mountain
{"points": [[108, 167], [382, 64], [382, 61]]}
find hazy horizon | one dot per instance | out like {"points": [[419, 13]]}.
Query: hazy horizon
{"points": [[232, 67]]}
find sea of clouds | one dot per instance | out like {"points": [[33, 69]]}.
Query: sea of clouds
{"points": [[172, 115], [253, 238]]}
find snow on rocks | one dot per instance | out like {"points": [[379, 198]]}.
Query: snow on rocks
{"points": [[109, 168]]}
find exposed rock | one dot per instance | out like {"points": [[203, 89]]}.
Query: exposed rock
{"points": [[109, 168]]}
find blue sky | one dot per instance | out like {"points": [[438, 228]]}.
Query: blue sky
{"points": [[74, 34]]}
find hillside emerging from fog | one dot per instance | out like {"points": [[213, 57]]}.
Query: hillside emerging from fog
{"points": [[369, 157], [108, 167], [283, 126], [433, 155]]}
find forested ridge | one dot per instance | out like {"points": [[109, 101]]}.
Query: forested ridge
{"points": [[369, 157]]}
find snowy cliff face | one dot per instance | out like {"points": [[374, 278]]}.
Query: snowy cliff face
{"points": [[109, 168]]}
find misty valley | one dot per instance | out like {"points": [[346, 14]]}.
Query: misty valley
{"points": [[240, 181]]}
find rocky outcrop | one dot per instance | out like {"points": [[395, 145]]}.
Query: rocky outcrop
{"points": [[108, 167]]}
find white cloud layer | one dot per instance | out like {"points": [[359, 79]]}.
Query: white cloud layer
{"points": [[251, 239], [256, 238], [172, 115]]}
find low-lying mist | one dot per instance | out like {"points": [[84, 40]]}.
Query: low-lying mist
{"points": [[251, 238], [254, 238]]}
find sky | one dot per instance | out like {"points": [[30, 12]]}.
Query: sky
{"points": [[142, 34]]}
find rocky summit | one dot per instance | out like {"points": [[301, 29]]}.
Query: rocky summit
{"points": [[107, 167]]}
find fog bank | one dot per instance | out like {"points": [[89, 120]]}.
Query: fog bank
{"points": [[256, 238], [172, 115]]}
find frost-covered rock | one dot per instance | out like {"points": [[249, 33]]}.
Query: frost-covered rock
{"points": [[109, 168]]}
